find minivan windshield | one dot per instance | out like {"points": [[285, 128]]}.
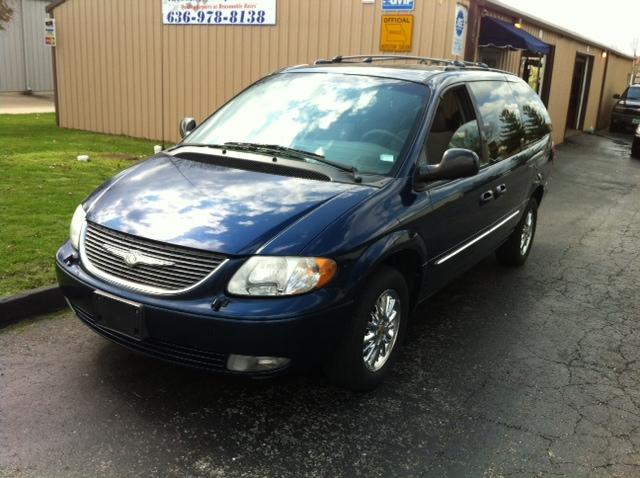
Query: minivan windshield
{"points": [[351, 120], [633, 93]]}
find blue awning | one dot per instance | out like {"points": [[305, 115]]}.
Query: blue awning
{"points": [[501, 34]]}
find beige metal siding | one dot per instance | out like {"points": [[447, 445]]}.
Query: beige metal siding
{"points": [[121, 71], [617, 79], [109, 66]]}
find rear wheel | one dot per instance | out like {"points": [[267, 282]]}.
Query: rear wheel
{"points": [[369, 347], [515, 251]]}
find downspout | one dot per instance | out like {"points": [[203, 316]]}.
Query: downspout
{"points": [[27, 89], [473, 29], [50, 11], [604, 80]]}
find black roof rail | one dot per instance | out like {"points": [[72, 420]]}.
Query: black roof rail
{"points": [[425, 60]]}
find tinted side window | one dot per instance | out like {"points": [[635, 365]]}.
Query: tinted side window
{"points": [[536, 120], [454, 126], [503, 128]]}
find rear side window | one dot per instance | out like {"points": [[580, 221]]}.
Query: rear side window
{"points": [[535, 118], [501, 122]]}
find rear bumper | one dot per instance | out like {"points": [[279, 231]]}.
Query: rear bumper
{"points": [[205, 340]]}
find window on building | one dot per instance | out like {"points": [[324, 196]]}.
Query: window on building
{"points": [[491, 56]]}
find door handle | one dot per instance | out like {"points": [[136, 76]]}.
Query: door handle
{"points": [[500, 190], [486, 196]]}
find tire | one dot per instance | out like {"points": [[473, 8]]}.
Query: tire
{"points": [[635, 150], [347, 366], [515, 251]]}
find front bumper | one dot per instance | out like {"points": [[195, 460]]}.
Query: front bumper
{"points": [[626, 120], [188, 332]]}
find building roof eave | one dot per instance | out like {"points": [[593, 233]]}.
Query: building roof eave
{"points": [[54, 4], [508, 10]]}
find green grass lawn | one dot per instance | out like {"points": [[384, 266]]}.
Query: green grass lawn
{"points": [[41, 183]]}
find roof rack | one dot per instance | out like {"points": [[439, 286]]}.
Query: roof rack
{"points": [[423, 60]]}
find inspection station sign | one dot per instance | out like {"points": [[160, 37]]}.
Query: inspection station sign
{"points": [[396, 33], [219, 12]]}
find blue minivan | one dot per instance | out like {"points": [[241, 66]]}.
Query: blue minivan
{"points": [[303, 221]]}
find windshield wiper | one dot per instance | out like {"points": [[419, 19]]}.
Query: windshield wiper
{"points": [[292, 153], [270, 149]]}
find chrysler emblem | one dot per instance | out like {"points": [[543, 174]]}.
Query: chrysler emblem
{"points": [[132, 257]]}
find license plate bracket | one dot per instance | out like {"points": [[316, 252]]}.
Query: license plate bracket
{"points": [[119, 315]]}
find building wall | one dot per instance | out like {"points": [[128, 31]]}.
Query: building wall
{"points": [[617, 79], [12, 55], [25, 61], [120, 70], [37, 54]]}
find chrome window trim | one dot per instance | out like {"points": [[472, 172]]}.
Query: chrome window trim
{"points": [[147, 289], [477, 239]]}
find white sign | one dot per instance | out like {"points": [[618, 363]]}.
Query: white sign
{"points": [[219, 12], [49, 32], [459, 30]]}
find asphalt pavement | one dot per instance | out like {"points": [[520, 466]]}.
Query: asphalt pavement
{"points": [[507, 372]]}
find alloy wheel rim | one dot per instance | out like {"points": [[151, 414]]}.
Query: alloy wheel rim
{"points": [[381, 331], [527, 233]]}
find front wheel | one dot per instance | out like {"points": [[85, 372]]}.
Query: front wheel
{"points": [[369, 347], [515, 251]]}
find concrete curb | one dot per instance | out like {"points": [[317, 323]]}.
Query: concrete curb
{"points": [[30, 303]]}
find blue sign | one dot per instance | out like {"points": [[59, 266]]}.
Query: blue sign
{"points": [[459, 31], [460, 23], [398, 5]]}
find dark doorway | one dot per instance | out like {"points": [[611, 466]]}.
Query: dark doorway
{"points": [[579, 92], [546, 78]]}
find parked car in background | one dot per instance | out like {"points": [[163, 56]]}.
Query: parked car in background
{"points": [[304, 220], [626, 111], [635, 146]]}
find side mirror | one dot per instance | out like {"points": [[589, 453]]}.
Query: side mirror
{"points": [[456, 163], [187, 125], [616, 96]]}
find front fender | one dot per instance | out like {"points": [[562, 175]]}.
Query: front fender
{"points": [[383, 248]]}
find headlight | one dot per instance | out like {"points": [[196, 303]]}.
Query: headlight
{"points": [[277, 276], [76, 226]]}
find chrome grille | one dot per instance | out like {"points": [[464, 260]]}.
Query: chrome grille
{"points": [[174, 268]]}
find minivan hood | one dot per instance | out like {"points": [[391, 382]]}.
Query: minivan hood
{"points": [[206, 206]]}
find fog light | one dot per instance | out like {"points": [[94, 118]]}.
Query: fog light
{"points": [[249, 363]]}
